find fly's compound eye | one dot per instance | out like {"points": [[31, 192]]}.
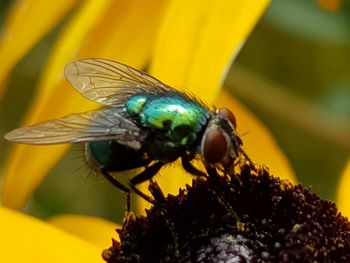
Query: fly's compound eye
{"points": [[226, 113], [214, 146]]}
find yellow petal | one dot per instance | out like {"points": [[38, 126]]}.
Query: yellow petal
{"points": [[23, 173], [195, 46], [66, 46], [198, 40], [28, 21], [126, 33], [343, 197], [97, 231], [258, 143], [26, 239]]}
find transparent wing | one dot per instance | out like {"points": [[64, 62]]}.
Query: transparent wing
{"points": [[99, 125], [109, 82]]}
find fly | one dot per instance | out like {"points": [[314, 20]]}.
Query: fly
{"points": [[144, 123]]}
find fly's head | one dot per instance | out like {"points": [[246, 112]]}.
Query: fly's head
{"points": [[221, 144]]}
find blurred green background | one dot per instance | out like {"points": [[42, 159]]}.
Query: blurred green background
{"points": [[293, 73]]}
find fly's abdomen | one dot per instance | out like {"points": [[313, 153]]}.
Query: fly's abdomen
{"points": [[180, 119], [112, 156]]}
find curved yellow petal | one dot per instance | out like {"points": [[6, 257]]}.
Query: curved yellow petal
{"points": [[97, 231], [343, 197], [26, 239], [258, 143], [66, 46], [23, 174], [198, 40], [27, 165], [126, 33], [195, 47], [28, 21]]}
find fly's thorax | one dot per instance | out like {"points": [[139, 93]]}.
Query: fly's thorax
{"points": [[175, 120], [220, 142], [135, 104]]}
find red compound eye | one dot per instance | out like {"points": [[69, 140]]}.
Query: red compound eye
{"points": [[225, 112], [214, 146]]}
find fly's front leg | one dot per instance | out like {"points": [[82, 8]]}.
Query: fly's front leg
{"points": [[188, 166], [147, 174]]}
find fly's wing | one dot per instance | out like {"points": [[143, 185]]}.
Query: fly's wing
{"points": [[99, 125], [110, 83]]}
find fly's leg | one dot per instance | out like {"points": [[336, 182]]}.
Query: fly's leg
{"points": [[188, 166], [156, 192], [147, 174], [210, 169], [119, 185]]}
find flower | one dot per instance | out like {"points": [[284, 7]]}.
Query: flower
{"points": [[247, 216], [188, 44]]}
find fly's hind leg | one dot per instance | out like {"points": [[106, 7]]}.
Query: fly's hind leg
{"points": [[119, 185], [147, 174]]}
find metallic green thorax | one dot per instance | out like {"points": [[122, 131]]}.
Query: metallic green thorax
{"points": [[180, 118]]}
